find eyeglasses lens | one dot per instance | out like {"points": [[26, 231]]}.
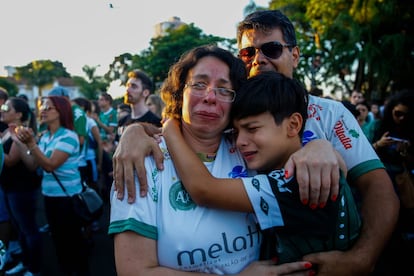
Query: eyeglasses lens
{"points": [[399, 114], [271, 50], [45, 108], [4, 107]]}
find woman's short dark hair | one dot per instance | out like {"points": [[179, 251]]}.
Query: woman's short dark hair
{"points": [[173, 86]]}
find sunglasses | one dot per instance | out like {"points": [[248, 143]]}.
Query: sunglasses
{"points": [[45, 107], [272, 50], [399, 114], [4, 107]]}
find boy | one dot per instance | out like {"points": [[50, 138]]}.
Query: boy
{"points": [[268, 114]]}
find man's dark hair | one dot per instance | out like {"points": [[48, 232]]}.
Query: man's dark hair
{"points": [[107, 97], [266, 21], [145, 80], [271, 92]]}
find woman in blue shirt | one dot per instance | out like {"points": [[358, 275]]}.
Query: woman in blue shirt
{"points": [[58, 151]]}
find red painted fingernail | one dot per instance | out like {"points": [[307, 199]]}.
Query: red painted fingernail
{"points": [[334, 197], [313, 206], [312, 273], [308, 265], [322, 205], [286, 174], [305, 202]]}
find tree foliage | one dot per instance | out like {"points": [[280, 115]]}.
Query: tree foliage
{"points": [[366, 44], [11, 88], [92, 85], [40, 73], [163, 52]]}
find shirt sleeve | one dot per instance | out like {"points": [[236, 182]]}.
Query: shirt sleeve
{"points": [[276, 203]]}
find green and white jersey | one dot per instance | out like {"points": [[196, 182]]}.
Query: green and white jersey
{"points": [[68, 173], [108, 118], [190, 237], [330, 120], [80, 125]]}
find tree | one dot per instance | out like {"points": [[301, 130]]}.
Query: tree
{"points": [[11, 88], [163, 52], [369, 40], [93, 85], [40, 73]]}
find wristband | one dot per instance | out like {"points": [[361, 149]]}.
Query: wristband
{"points": [[30, 150]]}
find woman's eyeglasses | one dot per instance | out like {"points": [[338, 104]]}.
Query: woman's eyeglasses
{"points": [[399, 114], [200, 89], [45, 107], [272, 50], [4, 108]]}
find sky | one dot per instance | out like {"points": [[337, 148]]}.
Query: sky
{"points": [[90, 32]]}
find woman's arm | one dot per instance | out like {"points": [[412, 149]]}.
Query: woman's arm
{"points": [[205, 190], [97, 137], [18, 151], [49, 164], [136, 255]]}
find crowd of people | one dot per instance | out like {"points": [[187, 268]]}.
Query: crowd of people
{"points": [[252, 174], [49, 151]]}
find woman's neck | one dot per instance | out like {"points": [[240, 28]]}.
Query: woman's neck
{"points": [[201, 142], [53, 127]]}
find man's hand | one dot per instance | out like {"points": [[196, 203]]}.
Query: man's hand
{"points": [[269, 268], [317, 172], [129, 155], [339, 263]]}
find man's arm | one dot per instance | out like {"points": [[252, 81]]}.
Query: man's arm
{"points": [[379, 209], [129, 156]]}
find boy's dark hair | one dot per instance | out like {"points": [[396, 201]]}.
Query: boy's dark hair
{"points": [[84, 103], [145, 80], [271, 92]]}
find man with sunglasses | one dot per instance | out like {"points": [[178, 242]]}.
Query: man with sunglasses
{"points": [[267, 42]]}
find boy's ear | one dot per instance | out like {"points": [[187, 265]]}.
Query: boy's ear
{"points": [[294, 124]]}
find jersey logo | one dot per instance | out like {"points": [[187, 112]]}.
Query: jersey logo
{"points": [[308, 136], [313, 111], [77, 114], [282, 182], [340, 132], [238, 171], [179, 198], [264, 206]]}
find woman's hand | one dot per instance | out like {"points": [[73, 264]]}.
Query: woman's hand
{"points": [[384, 141], [317, 172], [26, 136]]}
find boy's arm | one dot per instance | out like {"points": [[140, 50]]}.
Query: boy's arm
{"points": [[205, 190]]}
